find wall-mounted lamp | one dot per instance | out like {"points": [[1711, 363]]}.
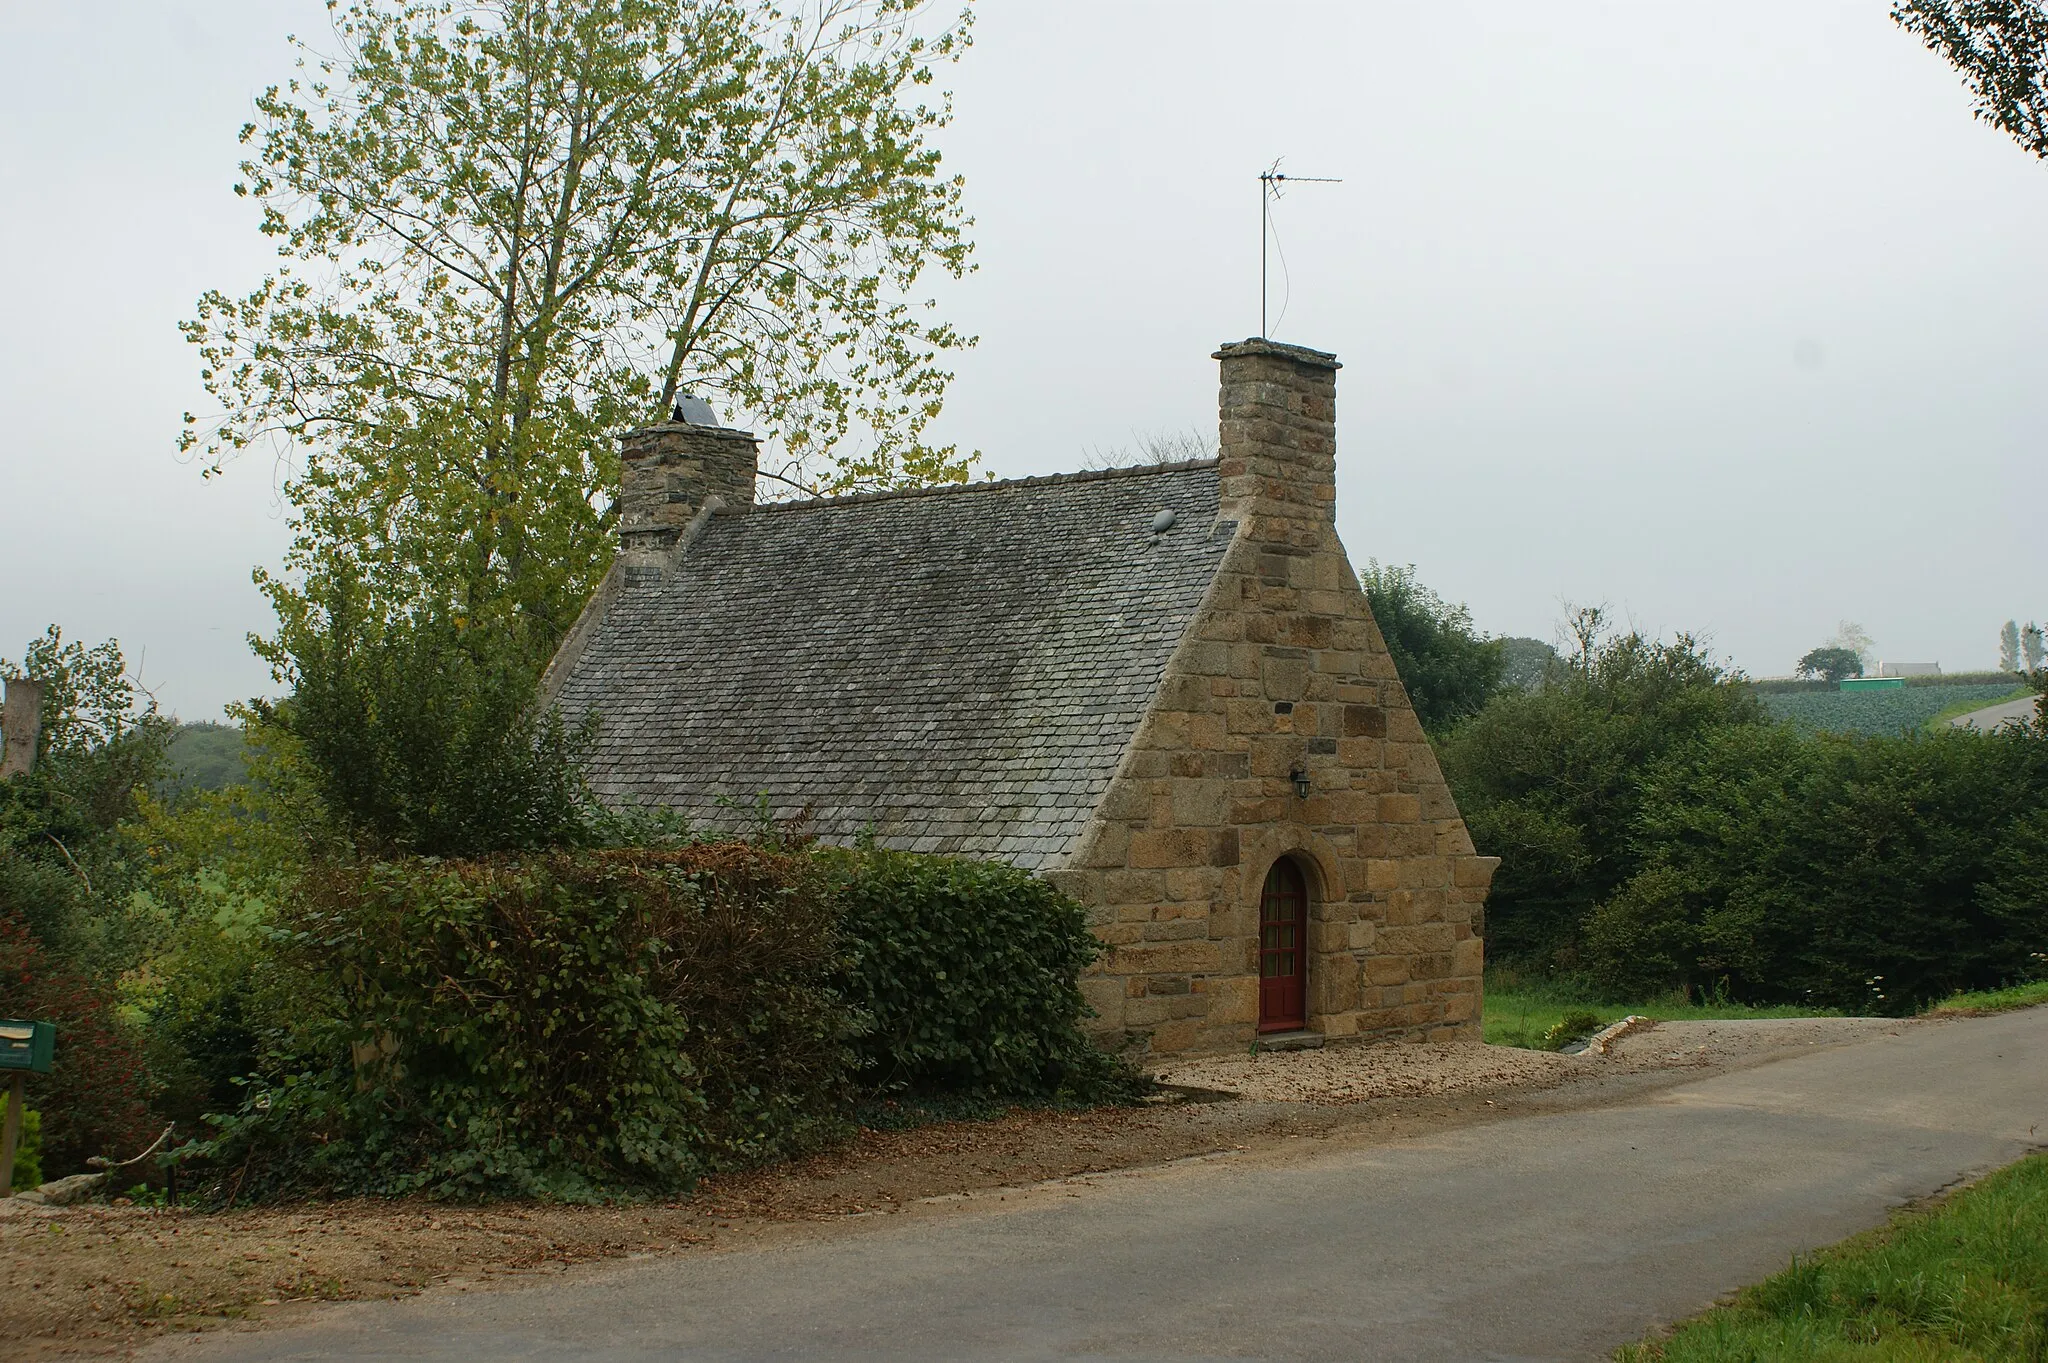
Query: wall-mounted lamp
{"points": [[1300, 778]]}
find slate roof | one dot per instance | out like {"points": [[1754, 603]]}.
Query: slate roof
{"points": [[958, 669]]}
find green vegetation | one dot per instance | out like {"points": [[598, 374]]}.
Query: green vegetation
{"points": [[1659, 833], [1550, 781], [1830, 664], [1965, 1279], [1882, 713], [591, 1024], [1448, 670], [1775, 686], [1525, 662], [28, 1152], [1870, 875], [1995, 1000], [964, 974], [421, 734], [546, 224], [1965, 707], [206, 756], [410, 954], [1538, 1013]]}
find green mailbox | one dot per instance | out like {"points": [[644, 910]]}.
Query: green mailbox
{"points": [[27, 1045]]}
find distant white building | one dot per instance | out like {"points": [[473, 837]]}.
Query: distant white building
{"points": [[1907, 670]]}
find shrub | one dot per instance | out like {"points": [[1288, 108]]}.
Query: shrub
{"points": [[95, 1100], [1550, 781], [966, 973], [1871, 875], [562, 1025], [590, 1023], [1573, 1026], [1447, 668], [420, 735], [28, 1154]]}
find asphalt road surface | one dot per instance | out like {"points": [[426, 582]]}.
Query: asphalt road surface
{"points": [[1557, 1236], [2014, 712]]}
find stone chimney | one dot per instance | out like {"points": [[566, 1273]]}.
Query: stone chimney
{"points": [[21, 720], [668, 471], [1278, 434]]}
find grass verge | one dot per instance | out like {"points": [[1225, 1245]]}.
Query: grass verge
{"points": [[1544, 1015], [1993, 1000], [1962, 1279]]}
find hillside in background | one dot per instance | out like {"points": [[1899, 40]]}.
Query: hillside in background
{"points": [[206, 756], [1524, 661]]}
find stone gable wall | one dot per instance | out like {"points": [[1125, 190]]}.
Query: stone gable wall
{"points": [[1283, 669]]}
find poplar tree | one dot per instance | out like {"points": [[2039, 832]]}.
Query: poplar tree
{"points": [[510, 230]]}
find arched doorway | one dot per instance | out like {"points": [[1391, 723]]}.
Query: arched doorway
{"points": [[1283, 949]]}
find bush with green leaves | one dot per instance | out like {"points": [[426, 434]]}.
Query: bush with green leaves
{"points": [[66, 873], [1448, 669], [96, 1100], [1865, 874], [966, 974], [591, 1023], [566, 1025], [421, 735], [1550, 781]]}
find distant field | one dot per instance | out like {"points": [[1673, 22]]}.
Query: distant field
{"points": [[1878, 712]]}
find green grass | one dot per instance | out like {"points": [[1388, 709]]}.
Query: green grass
{"points": [[1965, 1279], [1528, 1013], [1995, 1000], [1882, 712]]}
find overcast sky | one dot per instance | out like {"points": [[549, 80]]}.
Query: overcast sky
{"points": [[1727, 316]]}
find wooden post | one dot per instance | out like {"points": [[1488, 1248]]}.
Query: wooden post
{"points": [[21, 724], [10, 1137]]}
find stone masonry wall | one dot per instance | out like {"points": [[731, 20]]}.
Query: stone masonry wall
{"points": [[669, 470], [1282, 669]]}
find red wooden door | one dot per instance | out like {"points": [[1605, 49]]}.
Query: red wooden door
{"points": [[1283, 950]]}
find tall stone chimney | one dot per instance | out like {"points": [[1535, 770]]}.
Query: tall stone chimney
{"points": [[21, 720], [1278, 435], [671, 469]]}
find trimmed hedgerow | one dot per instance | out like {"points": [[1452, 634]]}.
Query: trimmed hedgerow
{"points": [[568, 1025], [585, 1024], [966, 972]]}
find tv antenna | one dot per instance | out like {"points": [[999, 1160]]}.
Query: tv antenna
{"points": [[1270, 181]]}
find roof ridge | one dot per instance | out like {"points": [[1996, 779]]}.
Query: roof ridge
{"points": [[986, 485]]}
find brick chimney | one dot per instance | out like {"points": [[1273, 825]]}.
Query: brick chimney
{"points": [[670, 469], [1278, 433]]}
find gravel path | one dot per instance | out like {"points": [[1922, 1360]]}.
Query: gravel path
{"points": [[1353, 1074]]}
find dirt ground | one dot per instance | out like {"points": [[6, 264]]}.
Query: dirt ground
{"points": [[100, 1279]]}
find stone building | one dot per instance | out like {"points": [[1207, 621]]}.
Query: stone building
{"points": [[1160, 686]]}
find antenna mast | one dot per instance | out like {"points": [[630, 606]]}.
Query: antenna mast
{"points": [[1270, 180]]}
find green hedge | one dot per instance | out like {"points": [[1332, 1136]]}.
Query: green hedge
{"points": [[585, 1024], [966, 975], [1870, 875]]}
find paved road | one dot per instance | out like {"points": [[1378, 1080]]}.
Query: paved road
{"points": [[1997, 716], [1556, 1236]]}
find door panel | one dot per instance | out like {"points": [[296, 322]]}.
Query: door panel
{"points": [[1283, 950]]}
